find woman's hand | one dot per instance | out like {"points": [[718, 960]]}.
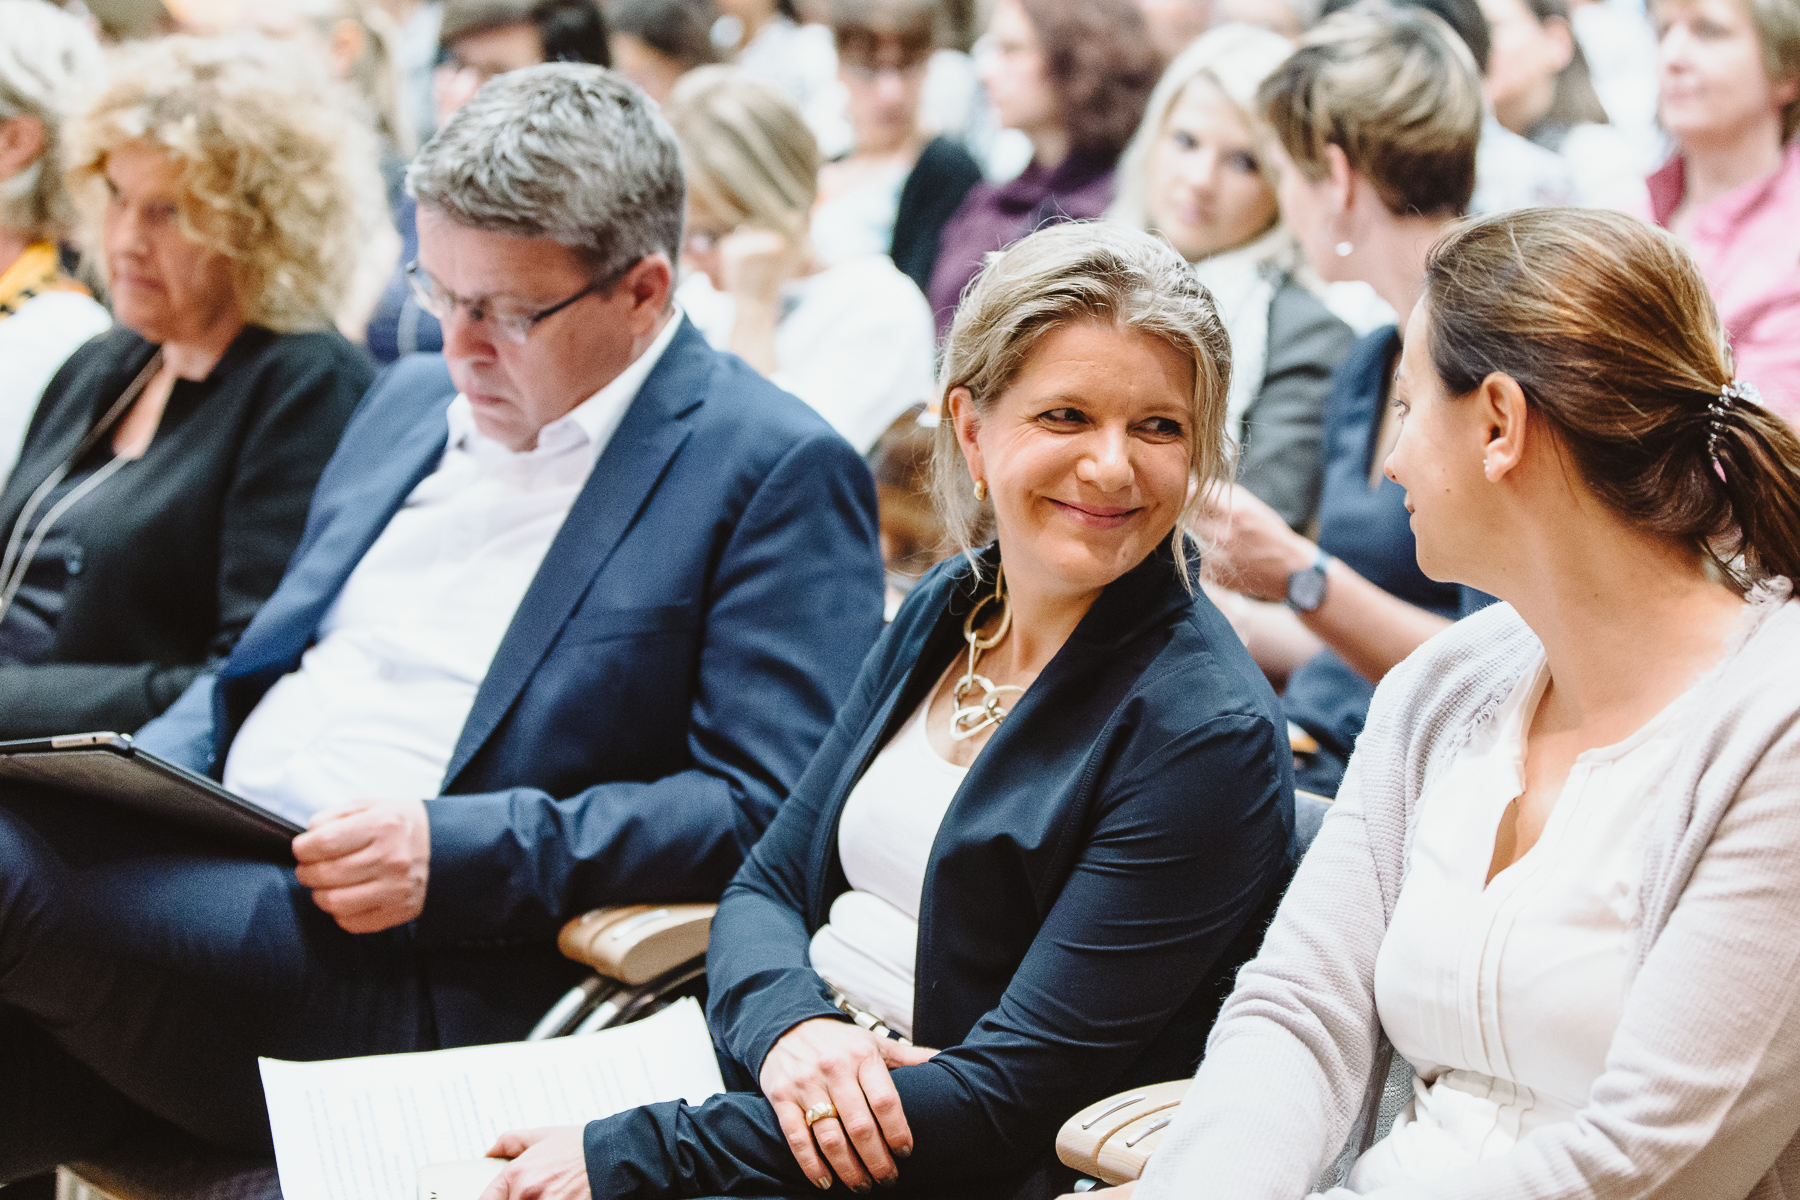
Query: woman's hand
{"points": [[828, 1059], [548, 1164], [1246, 546], [756, 262]]}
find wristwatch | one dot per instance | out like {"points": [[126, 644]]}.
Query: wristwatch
{"points": [[1306, 587]]}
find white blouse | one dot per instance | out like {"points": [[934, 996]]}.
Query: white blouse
{"points": [[867, 949], [1505, 995]]}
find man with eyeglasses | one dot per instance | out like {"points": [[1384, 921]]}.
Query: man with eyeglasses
{"points": [[576, 603]]}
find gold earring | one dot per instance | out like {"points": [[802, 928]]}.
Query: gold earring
{"points": [[980, 489]]}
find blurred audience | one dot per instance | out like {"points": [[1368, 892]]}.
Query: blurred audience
{"points": [[853, 338], [767, 40], [1731, 100], [166, 476], [1046, 894], [894, 191], [46, 58], [1510, 171], [1562, 881], [481, 39], [1620, 46], [1199, 173], [1540, 86], [656, 42], [1073, 76], [1377, 115]]}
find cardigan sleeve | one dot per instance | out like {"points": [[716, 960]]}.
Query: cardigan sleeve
{"points": [[292, 431], [1185, 846]]}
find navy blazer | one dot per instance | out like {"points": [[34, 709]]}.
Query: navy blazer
{"points": [[679, 656], [1109, 861]]}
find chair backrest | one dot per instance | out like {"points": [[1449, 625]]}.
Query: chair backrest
{"points": [[1309, 814]]}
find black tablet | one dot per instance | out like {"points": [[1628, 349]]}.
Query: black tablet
{"points": [[106, 766]]}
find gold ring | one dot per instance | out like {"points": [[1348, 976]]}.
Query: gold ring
{"points": [[819, 1112]]}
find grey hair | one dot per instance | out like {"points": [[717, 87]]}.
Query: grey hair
{"points": [[566, 151], [1079, 271], [45, 55]]}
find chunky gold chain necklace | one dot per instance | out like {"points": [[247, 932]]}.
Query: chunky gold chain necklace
{"points": [[967, 720]]}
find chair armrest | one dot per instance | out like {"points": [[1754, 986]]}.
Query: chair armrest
{"points": [[1113, 1138], [636, 943]]}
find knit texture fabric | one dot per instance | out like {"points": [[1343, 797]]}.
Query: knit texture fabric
{"points": [[1701, 1092]]}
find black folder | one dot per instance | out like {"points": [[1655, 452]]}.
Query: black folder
{"points": [[107, 767]]}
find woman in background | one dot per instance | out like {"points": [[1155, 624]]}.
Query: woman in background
{"points": [[656, 42], [1199, 173], [1730, 97], [895, 190], [1073, 76], [1539, 84], [45, 57], [1562, 879], [853, 339], [165, 480], [1377, 116]]}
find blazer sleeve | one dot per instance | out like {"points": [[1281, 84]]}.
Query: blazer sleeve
{"points": [[795, 605], [285, 446], [1283, 459], [1184, 848]]}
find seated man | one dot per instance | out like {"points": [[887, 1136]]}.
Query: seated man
{"points": [[596, 588]]}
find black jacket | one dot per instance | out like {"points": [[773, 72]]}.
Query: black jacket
{"points": [[1106, 865], [179, 549], [932, 192]]}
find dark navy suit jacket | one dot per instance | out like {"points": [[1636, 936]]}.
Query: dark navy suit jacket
{"points": [[1107, 864], [674, 665]]}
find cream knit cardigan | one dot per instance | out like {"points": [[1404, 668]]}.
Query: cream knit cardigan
{"points": [[1700, 1096]]}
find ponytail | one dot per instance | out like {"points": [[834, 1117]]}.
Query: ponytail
{"points": [[1607, 327]]}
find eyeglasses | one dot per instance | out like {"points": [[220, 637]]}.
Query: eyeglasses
{"points": [[868, 71], [511, 323]]}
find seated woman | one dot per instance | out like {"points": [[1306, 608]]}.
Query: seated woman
{"points": [[165, 479], [1048, 822], [1073, 76], [1730, 98], [1562, 878], [853, 339], [1377, 115], [1541, 89], [897, 187], [1198, 172], [44, 314], [655, 42]]}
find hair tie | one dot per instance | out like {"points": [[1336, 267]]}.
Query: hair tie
{"points": [[1733, 393]]}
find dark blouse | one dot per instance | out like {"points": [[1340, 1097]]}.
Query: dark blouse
{"points": [[1369, 528], [932, 193], [159, 569], [1107, 863]]}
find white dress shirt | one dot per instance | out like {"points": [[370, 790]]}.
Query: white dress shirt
{"points": [[1505, 994], [870, 944], [376, 705]]}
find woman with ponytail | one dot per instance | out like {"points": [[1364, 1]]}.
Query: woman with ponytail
{"points": [[1562, 876]]}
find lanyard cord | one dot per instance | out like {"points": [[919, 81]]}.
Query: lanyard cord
{"points": [[14, 564]]}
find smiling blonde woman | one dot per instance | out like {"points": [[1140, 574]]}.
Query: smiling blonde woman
{"points": [[1050, 820]]}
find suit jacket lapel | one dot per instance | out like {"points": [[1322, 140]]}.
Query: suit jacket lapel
{"points": [[623, 479]]}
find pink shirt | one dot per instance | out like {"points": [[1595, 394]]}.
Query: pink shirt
{"points": [[1747, 243]]}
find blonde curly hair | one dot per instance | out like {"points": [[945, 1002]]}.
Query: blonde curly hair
{"points": [[276, 172]]}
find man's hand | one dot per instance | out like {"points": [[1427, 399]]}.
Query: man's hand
{"points": [[1246, 546], [827, 1059], [367, 863], [548, 1164]]}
